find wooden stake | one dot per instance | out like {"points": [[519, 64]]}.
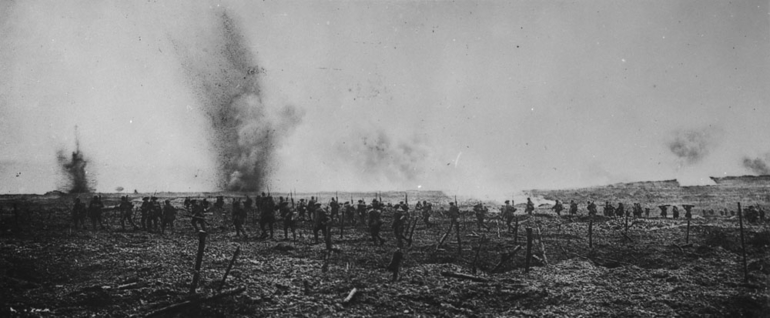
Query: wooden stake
{"points": [[542, 246], [516, 230], [743, 246], [590, 233], [445, 235], [504, 257], [482, 240], [687, 237], [350, 295], [229, 267], [529, 249], [459, 242], [198, 261]]}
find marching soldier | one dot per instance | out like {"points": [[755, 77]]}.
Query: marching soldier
{"points": [[301, 209], [95, 212], [591, 208], [620, 211], [126, 213], [480, 212], [320, 222], [287, 214], [675, 212], [239, 217], [145, 210], [558, 207], [399, 221], [647, 212], [508, 215], [350, 213], [267, 216], [609, 210], [335, 207], [168, 217], [198, 218], [573, 207], [688, 210], [426, 210], [361, 209], [311, 208], [79, 213], [375, 223], [637, 210], [663, 210], [187, 204], [155, 213], [530, 207]]}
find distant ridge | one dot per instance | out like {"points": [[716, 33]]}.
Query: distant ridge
{"points": [[762, 181]]}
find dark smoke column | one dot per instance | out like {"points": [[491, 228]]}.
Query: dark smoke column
{"points": [[74, 169], [226, 79]]}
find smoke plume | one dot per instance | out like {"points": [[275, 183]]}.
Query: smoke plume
{"points": [[74, 170], [691, 146], [377, 154], [226, 79], [757, 165]]}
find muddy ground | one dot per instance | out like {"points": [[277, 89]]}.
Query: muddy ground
{"points": [[49, 269]]}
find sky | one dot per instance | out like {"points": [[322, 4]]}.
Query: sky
{"points": [[478, 98]]}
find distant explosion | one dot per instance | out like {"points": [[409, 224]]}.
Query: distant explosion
{"points": [[377, 153], [757, 165], [226, 79], [691, 146], [74, 170]]}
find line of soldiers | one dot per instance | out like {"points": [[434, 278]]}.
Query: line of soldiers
{"points": [[151, 214]]}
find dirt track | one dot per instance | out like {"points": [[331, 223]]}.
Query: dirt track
{"points": [[50, 270]]}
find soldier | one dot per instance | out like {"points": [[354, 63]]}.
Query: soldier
{"points": [[267, 216], [480, 212], [621, 210], [426, 210], [145, 210], [675, 212], [350, 213], [530, 207], [508, 215], [79, 213], [187, 204], [558, 207], [454, 213], [375, 223], [95, 212], [400, 218], [198, 217], [335, 207], [573, 207], [591, 208], [168, 217], [156, 211], [320, 222], [126, 213], [752, 215], [239, 217], [205, 205], [647, 212], [637, 210], [311, 208], [687, 210], [361, 209], [287, 214], [663, 210], [608, 210], [301, 209], [220, 203]]}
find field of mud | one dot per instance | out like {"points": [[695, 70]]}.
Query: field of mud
{"points": [[635, 268]]}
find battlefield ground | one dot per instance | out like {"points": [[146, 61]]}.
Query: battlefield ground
{"points": [[635, 267]]}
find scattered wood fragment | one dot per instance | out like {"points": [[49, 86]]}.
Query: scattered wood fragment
{"points": [[229, 267], [350, 296], [505, 257], [186, 304], [464, 276]]}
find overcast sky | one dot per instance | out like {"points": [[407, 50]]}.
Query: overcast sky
{"points": [[481, 98]]}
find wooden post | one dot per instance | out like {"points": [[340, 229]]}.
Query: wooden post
{"points": [[687, 237], [230, 266], [459, 242], [198, 261], [342, 222], [590, 233], [743, 246], [482, 240], [529, 248]]}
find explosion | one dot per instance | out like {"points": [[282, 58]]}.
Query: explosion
{"points": [[74, 170]]}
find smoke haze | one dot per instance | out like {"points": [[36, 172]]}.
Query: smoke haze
{"points": [[76, 177], [757, 166], [474, 98]]}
